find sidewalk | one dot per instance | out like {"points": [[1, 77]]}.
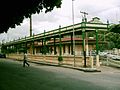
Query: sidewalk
{"points": [[64, 66], [112, 64], [68, 66]]}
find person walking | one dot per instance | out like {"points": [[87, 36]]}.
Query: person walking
{"points": [[25, 60]]}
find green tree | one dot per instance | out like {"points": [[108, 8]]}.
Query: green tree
{"points": [[14, 12], [115, 28], [113, 40], [113, 36]]}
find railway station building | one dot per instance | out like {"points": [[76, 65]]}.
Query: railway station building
{"points": [[75, 43]]}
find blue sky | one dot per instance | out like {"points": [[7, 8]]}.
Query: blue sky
{"points": [[104, 9]]}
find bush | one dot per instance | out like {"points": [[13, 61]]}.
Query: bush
{"points": [[60, 58]]}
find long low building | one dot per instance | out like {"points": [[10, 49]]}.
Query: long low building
{"points": [[78, 40]]}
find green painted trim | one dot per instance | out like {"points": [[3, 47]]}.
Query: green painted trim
{"points": [[55, 32]]}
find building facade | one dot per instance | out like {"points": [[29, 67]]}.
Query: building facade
{"points": [[62, 41]]}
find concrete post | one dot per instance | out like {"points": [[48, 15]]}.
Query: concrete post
{"points": [[97, 50], [91, 59], [97, 61]]}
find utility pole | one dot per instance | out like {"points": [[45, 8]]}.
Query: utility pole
{"points": [[30, 25], [31, 45], [73, 31], [84, 20], [84, 16]]}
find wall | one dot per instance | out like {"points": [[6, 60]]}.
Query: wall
{"points": [[67, 59]]}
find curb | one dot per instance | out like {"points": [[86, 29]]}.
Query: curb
{"points": [[66, 66]]}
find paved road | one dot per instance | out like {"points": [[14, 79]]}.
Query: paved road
{"points": [[40, 77]]}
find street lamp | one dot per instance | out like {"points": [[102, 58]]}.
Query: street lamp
{"points": [[73, 30]]}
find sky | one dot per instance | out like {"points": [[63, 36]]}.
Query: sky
{"points": [[104, 9]]}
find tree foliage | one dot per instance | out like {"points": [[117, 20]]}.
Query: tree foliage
{"points": [[13, 12], [115, 28], [113, 36], [113, 39]]}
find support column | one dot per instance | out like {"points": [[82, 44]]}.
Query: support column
{"points": [[60, 53], [97, 50], [87, 50], [91, 59], [16, 49], [71, 44], [25, 45], [44, 44], [66, 49], [84, 49], [35, 50], [42, 47], [55, 52], [33, 47]]}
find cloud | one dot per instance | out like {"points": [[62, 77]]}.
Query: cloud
{"points": [[104, 9], [42, 17]]}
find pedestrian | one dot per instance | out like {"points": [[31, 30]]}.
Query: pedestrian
{"points": [[25, 60]]}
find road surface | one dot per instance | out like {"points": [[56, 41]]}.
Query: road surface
{"points": [[13, 76]]}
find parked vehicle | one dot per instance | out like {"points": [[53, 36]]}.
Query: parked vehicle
{"points": [[104, 54], [2, 55], [117, 57]]}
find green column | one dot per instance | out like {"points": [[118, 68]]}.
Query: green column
{"points": [[55, 47], [97, 48], [25, 45], [60, 41], [71, 44], [33, 47], [44, 51], [42, 47]]}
